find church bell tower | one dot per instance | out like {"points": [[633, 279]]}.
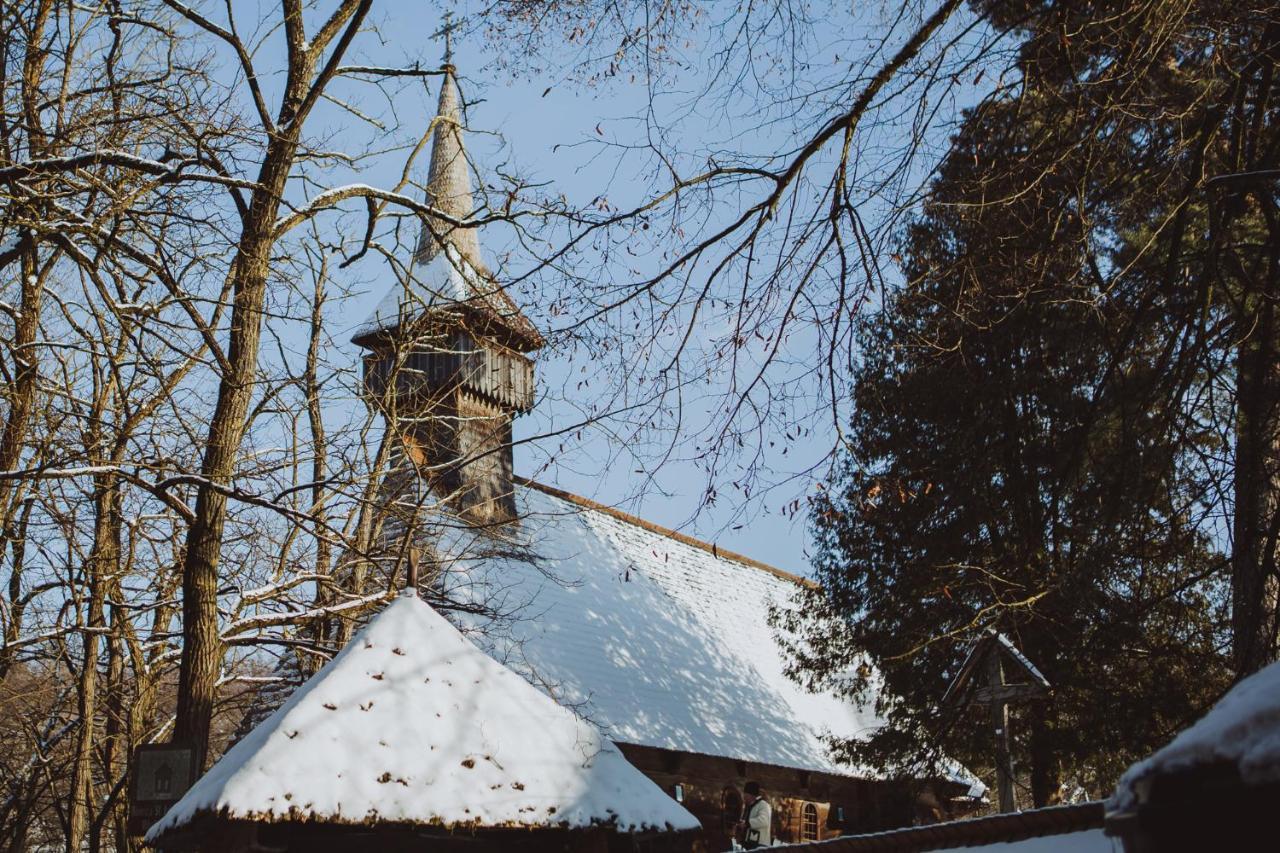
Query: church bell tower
{"points": [[447, 353]]}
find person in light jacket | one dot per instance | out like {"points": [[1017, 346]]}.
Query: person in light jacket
{"points": [[757, 822]]}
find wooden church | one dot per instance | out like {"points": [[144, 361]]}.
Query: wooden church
{"points": [[660, 640]]}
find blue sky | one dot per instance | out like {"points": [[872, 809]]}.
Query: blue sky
{"points": [[556, 137], [573, 136]]}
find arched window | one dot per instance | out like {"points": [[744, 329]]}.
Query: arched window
{"points": [[809, 823]]}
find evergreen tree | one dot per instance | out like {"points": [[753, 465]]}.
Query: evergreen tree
{"points": [[1165, 116], [1007, 468], [1067, 424]]}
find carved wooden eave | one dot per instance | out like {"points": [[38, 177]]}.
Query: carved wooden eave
{"points": [[495, 374]]}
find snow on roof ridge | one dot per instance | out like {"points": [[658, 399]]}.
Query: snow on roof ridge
{"points": [[709, 547], [1021, 658]]}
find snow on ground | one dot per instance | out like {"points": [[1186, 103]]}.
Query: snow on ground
{"points": [[1088, 841], [1242, 729], [413, 723]]}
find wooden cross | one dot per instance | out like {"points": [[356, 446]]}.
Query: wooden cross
{"points": [[446, 32], [991, 652]]}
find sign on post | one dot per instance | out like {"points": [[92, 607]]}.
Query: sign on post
{"points": [[162, 773]]}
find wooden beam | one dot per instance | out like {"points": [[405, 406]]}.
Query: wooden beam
{"points": [[1007, 693], [1000, 729]]}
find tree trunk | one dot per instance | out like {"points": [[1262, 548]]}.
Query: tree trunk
{"points": [[1046, 780], [20, 396], [116, 745], [99, 568], [202, 645], [1255, 583], [17, 601], [321, 628], [1254, 264]]}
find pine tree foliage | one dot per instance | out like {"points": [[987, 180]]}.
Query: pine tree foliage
{"points": [[1047, 414]]}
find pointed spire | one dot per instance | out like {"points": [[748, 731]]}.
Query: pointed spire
{"points": [[449, 182]]}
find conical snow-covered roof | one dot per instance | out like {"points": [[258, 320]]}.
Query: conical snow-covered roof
{"points": [[448, 269], [412, 723]]}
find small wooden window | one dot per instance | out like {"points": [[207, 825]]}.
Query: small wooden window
{"points": [[678, 793], [809, 823]]}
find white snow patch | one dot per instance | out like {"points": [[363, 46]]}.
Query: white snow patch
{"points": [[413, 723], [448, 279], [1242, 729]]}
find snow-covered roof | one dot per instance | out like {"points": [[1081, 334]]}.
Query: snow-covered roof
{"points": [[447, 279], [412, 723], [988, 642], [662, 641], [1243, 730], [1018, 656]]}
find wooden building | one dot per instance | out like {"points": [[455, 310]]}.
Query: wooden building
{"points": [[661, 640], [1213, 787], [414, 739]]}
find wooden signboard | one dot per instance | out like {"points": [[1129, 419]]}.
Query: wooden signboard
{"points": [[162, 773]]}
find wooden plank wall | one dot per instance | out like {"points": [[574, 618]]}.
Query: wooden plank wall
{"points": [[705, 783]]}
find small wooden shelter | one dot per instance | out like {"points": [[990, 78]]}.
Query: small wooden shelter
{"points": [[1213, 787], [985, 679], [412, 738]]}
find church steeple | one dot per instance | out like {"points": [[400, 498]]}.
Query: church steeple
{"points": [[446, 363], [449, 183], [449, 273]]}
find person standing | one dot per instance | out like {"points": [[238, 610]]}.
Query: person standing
{"points": [[757, 820]]}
